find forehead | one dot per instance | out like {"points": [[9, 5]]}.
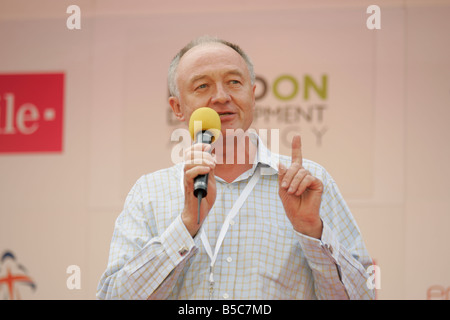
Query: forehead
{"points": [[209, 58]]}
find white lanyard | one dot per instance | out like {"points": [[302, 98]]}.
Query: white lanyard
{"points": [[233, 212]]}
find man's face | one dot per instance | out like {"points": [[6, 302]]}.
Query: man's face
{"points": [[217, 77]]}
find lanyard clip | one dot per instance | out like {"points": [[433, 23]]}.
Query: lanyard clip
{"points": [[211, 275], [211, 282]]}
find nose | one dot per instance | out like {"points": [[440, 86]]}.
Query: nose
{"points": [[220, 95]]}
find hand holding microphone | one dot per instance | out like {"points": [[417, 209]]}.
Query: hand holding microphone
{"points": [[200, 189]]}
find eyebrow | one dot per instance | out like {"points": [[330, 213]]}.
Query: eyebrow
{"points": [[202, 76], [235, 72], [197, 77]]}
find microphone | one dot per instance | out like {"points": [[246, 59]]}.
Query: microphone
{"points": [[204, 126]]}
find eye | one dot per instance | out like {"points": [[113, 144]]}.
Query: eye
{"points": [[234, 82], [202, 86]]}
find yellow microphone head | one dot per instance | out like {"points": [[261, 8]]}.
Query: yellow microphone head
{"points": [[204, 119]]}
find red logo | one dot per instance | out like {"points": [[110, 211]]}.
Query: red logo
{"points": [[31, 112], [13, 276]]}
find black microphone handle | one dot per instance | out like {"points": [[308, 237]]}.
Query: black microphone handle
{"points": [[201, 185], [201, 181]]}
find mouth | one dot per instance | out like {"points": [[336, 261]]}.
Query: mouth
{"points": [[225, 114]]}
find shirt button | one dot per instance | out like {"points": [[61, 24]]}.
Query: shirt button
{"points": [[229, 259], [328, 247], [225, 296], [232, 222]]}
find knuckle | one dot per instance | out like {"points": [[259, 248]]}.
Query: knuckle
{"points": [[304, 172], [296, 165]]}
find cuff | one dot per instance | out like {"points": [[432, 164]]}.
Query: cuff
{"points": [[177, 241], [320, 251]]}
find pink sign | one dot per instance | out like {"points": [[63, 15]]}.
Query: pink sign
{"points": [[31, 112]]}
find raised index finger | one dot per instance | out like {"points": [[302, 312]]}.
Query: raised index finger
{"points": [[297, 150]]}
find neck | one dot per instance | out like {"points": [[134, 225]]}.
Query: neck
{"points": [[235, 155]]}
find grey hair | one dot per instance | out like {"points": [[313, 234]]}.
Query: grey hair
{"points": [[172, 81]]}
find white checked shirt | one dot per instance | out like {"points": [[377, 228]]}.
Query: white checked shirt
{"points": [[153, 256]]}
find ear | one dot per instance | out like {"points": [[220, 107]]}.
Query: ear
{"points": [[253, 96], [176, 108]]}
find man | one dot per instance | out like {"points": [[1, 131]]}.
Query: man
{"points": [[271, 227]]}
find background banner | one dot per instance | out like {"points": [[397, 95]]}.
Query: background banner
{"points": [[84, 113]]}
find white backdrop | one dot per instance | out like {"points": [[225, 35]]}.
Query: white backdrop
{"points": [[381, 118]]}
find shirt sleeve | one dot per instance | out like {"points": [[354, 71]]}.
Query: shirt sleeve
{"points": [[339, 259], [143, 266], [337, 274]]}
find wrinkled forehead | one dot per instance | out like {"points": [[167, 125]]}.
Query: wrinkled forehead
{"points": [[210, 56]]}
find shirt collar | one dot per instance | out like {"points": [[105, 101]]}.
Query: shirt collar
{"points": [[266, 159]]}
